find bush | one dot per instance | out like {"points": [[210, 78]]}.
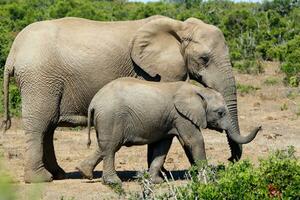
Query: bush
{"points": [[291, 64], [281, 172], [277, 176], [249, 66]]}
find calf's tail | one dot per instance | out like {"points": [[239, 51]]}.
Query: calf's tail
{"points": [[90, 117]]}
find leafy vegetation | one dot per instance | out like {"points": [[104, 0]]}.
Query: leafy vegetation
{"points": [[254, 31], [275, 177], [246, 89], [7, 190], [14, 99]]}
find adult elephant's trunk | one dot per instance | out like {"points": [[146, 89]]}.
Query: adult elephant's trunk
{"points": [[227, 87]]}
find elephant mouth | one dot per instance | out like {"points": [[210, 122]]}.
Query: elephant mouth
{"points": [[213, 126]]}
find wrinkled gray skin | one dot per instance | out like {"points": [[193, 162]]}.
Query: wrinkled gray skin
{"points": [[129, 112], [60, 65]]}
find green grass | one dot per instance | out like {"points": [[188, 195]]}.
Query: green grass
{"points": [[271, 81], [9, 188], [246, 89], [8, 191]]}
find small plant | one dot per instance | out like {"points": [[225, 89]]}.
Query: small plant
{"points": [[292, 95], [246, 89], [283, 107], [298, 111], [77, 128], [146, 184], [271, 81], [64, 198], [294, 81], [117, 188]]}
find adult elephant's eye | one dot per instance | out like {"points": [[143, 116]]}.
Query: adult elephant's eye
{"points": [[204, 59]]}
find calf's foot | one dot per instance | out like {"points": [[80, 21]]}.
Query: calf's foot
{"points": [[156, 179], [86, 170], [111, 179]]}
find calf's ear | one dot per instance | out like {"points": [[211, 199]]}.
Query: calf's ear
{"points": [[192, 106]]}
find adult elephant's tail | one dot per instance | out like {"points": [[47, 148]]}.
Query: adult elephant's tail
{"points": [[8, 72], [90, 116]]}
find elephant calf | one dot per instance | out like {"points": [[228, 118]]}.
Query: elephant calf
{"points": [[129, 112]]}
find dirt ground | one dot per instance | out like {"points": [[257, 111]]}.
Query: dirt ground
{"points": [[275, 107]]}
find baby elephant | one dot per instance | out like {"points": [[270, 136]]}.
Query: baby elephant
{"points": [[129, 111]]}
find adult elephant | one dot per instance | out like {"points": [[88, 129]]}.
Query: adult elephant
{"points": [[60, 64]]}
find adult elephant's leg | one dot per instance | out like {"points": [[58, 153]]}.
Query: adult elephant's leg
{"points": [[150, 156], [40, 110], [49, 157], [160, 150]]}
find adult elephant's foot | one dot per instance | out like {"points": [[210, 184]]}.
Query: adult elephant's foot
{"points": [[111, 179], [40, 175], [85, 170]]}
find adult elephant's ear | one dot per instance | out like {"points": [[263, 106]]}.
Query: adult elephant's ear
{"points": [[156, 48], [191, 105]]}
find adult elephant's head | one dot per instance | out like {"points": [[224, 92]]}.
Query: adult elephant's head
{"points": [[174, 50]]}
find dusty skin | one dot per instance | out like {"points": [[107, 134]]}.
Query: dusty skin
{"points": [[275, 107]]}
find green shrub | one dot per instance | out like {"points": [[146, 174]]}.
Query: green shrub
{"points": [[291, 67], [276, 177], [282, 172], [276, 53], [249, 66], [291, 64]]}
